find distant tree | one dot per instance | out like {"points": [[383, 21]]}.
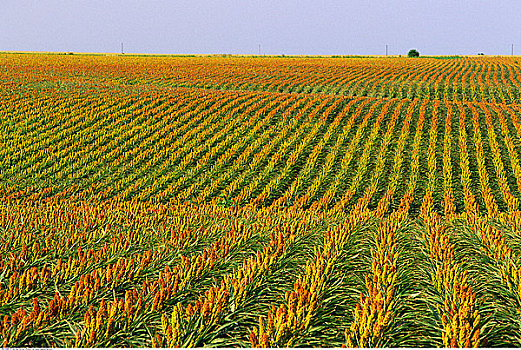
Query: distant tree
{"points": [[481, 54], [413, 53]]}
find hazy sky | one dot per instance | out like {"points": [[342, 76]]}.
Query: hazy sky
{"points": [[279, 26]]}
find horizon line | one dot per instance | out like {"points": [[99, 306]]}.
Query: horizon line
{"points": [[65, 53]]}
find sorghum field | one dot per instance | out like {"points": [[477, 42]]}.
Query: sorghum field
{"points": [[259, 201]]}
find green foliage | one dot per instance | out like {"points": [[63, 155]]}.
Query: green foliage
{"points": [[413, 53]]}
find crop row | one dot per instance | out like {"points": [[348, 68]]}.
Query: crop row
{"points": [[477, 79], [266, 149], [83, 274]]}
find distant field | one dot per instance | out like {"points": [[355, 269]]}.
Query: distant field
{"points": [[259, 201]]}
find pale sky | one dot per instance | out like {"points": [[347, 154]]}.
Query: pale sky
{"points": [[314, 27]]}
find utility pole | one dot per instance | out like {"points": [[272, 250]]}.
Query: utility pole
{"points": [[512, 50], [386, 49], [259, 50], [122, 49]]}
